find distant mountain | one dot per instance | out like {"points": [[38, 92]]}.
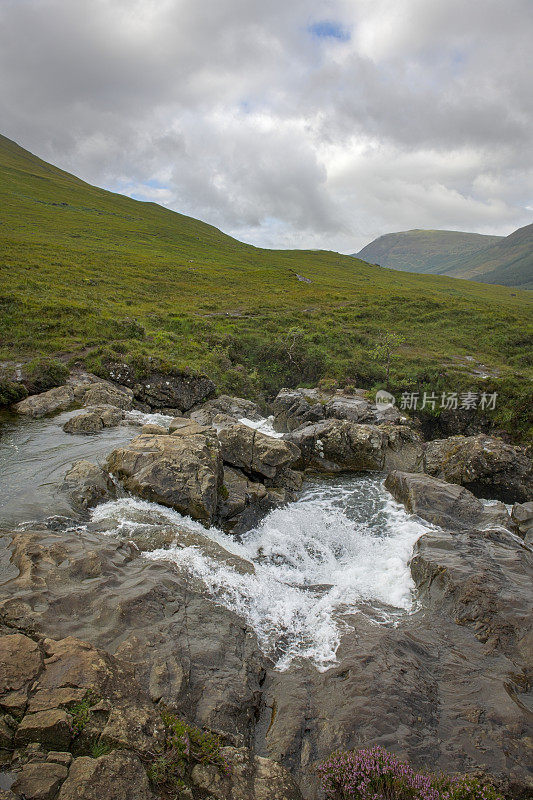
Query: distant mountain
{"points": [[509, 262], [423, 250], [488, 259]]}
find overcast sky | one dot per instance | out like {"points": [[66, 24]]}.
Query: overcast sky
{"points": [[287, 123]]}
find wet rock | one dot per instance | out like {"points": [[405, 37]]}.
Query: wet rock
{"points": [[522, 516], [250, 777], [39, 405], [117, 776], [40, 781], [94, 420], [50, 728], [105, 393], [244, 502], [254, 452], [486, 465], [445, 504], [234, 407], [183, 472], [87, 485]]}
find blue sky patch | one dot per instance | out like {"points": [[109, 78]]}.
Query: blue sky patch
{"points": [[329, 29]]}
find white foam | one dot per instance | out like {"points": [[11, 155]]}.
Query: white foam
{"points": [[317, 561], [142, 418], [264, 425]]}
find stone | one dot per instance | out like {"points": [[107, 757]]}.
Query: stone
{"points": [[40, 781], [20, 662], [6, 733], [183, 472], [60, 757], [445, 504], [50, 728], [39, 405], [235, 408], [293, 408], [152, 428], [486, 465], [250, 777], [254, 452], [117, 776], [132, 726], [87, 485], [522, 516], [94, 420], [338, 446], [164, 390], [182, 426], [104, 393]]}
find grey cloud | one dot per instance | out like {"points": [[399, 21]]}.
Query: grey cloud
{"points": [[249, 121]]}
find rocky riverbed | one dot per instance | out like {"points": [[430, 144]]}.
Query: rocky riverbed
{"points": [[320, 580]]}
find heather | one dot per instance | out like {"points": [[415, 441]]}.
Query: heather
{"points": [[375, 774]]}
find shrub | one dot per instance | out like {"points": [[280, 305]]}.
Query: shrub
{"points": [[43, 374], [11, 392], [376, 774], [184, 745]]}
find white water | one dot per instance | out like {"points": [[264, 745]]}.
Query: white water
{"points": [[263, 425], [142, 418], [344, 546]]}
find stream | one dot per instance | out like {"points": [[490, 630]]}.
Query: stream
{"points": [[297, 579]]}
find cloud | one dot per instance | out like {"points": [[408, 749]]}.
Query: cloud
{"points": [[316, 123]]}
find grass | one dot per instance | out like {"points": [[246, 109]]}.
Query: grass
{"points": [[90, 276]]}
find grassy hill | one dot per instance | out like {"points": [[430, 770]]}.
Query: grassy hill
{"points": [[508, 261], [88, 275], [423, 250]]}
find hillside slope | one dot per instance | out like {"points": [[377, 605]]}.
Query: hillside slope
{"points": [[94, 276], [508, 261], [423, 250]]}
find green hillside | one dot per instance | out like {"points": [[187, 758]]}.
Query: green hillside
{"points": [[423, 250], [90, 275], [508, 261]]}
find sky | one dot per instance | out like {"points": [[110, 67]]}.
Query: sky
{"points": [[316, 124]]}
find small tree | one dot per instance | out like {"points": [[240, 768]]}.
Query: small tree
{"points": [[385, 348]]}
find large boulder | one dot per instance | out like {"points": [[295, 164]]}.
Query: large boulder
{"points": [[341, 446], [117, 776], [183, 472], [234, 407], [157, 389], [105, 393], [39, 405], [254, 452], [250, 777], [445, 504], [39, 781], [94, 420], [87, 485], [294, 408], [486, 465], [245, 502]]}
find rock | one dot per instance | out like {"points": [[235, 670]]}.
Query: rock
{"points": [[94, 420], [234, 407], [243, 502], [38, 405], [338, 445], [484, 464], [522, 516], [87, 485], [444, 504], [254, 452], [20, 662], [117, 776], [183, 472], [7, 733], [104, 393], [250, 777], [159, 430], [182, 426], [60, 757], [164, 390], [50, 728], [40, 781], [293, 408]]}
